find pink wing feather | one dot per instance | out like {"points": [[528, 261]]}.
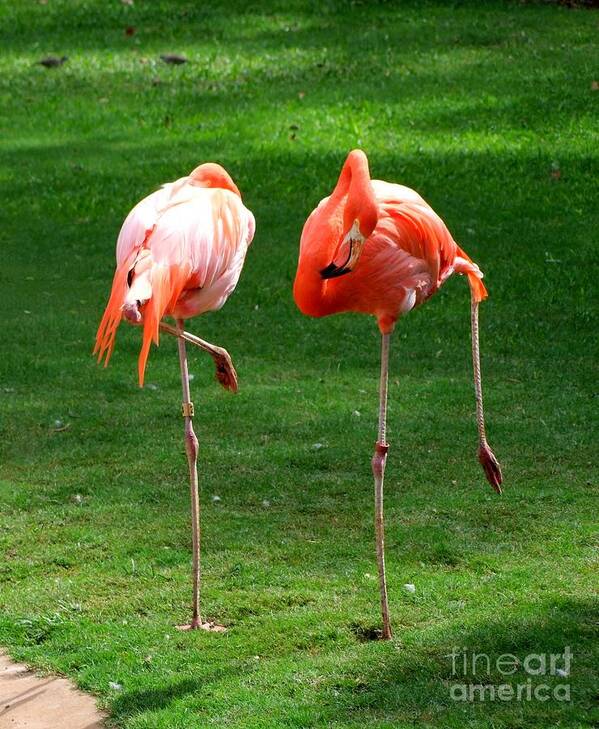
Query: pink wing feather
{"points": [[409, 221]]}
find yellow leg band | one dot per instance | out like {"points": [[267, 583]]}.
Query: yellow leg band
{"points": [[187, 410]]}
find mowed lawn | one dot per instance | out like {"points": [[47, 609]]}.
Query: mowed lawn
{"points": [[489, 110]]}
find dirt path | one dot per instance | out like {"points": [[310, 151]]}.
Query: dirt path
{"points": [[28, 701]]}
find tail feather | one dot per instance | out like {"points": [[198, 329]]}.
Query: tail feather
{"points": [[464, 264], [477, 287]]}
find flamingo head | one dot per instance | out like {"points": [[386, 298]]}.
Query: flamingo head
{"points": [[360, 215], [348, 253], [358, 229]]}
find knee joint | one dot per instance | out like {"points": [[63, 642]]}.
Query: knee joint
{"points": [[379, 458], [191, 443]]}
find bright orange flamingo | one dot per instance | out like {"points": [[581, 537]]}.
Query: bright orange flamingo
{"points": [[379, 248], [180, 253]]}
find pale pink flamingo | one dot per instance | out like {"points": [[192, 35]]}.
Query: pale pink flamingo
{"points": [[180, 253], [379, 248]]}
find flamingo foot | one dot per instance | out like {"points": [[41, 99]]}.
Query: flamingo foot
{"points": [[208, 626], [490, 466], [225, 371]]}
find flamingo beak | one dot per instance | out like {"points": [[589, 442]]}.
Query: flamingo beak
{"points": [[355, 241], [333, 271]]}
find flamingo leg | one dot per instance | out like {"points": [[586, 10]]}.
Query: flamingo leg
{"points": [[191, 448], [378, 470], [486, 456], [225, 371]]}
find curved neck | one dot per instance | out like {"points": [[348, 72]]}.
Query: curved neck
{"points": [[352, 200], [354, 181], [211, 174]]}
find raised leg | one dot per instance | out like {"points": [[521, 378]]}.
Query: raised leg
{"points": [[225, 371], [191, 448], [486, 456], [378, 470]]}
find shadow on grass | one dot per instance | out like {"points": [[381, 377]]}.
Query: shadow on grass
{"points": [[319, 25], [411, 679], [415, 682], [160, 696]]}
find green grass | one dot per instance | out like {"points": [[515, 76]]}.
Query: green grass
{"points": [[478, 106]]}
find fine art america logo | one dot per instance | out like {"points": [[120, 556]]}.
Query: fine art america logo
{"points": [[540, 674]]}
